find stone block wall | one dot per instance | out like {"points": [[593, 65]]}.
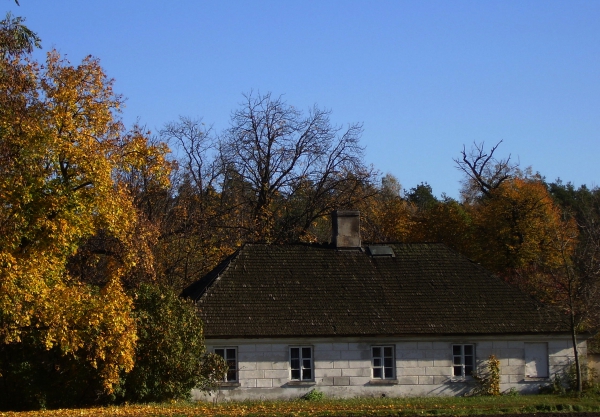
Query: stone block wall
{"points": [[343, 367]]}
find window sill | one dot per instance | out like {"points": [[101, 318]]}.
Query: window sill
{"points": [[301, 383], [462, 380], [536, 379], [229, 384], [383, 382]]}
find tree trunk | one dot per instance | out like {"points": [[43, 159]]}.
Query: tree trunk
{"points": [[576, 353]]}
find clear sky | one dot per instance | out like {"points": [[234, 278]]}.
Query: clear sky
{"points": [[424, 77]]}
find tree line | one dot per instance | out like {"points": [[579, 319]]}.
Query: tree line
{"points": [[102, 226]]}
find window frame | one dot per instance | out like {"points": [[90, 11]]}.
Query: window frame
{"points": [[381, 367], [225, 357], [462, 359], [301, 363], [529, 358]]}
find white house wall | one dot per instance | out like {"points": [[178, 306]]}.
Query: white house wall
{"points": [[342, 367]]}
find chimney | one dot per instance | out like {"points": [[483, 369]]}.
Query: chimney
{"points": [[346, 228]]}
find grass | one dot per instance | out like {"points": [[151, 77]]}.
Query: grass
{"points": [[430, 406]]}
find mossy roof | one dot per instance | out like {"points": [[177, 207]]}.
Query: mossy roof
{"points": [[312, 290]]}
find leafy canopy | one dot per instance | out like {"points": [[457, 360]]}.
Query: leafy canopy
{"points": [[63, 154]]}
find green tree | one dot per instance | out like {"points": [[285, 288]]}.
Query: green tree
{"points": [[422, 196], [16, 38]]}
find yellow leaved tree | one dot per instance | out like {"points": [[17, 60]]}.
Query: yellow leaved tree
{"points": [[517, 225], [63, 156]]}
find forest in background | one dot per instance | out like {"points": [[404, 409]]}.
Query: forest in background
{"points": [[101, 226]]}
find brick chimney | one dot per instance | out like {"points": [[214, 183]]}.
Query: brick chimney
{"points": [[346, 228]]}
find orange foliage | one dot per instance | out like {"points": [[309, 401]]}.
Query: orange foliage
{"points": [[447, 222], [61, 154], [385, 219], [517, 227]]}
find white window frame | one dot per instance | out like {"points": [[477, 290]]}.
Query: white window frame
{"points": [[541, 369], [226, 356], [301, 367], [378, 362], [460, 359]]}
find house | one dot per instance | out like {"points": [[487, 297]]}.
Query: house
{"points": [[371, 320]]}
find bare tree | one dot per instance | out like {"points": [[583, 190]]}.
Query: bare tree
{"points": [[191, 236], [195, 150], [266, 178], [484, 171], [299, 162]]}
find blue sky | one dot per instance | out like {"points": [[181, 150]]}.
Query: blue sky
{"points": [[424, 77]]}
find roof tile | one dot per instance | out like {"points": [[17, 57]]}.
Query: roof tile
{"points": [[313, 290]]}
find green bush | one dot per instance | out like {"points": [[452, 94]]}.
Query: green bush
{"points": [[170, 361], [314, 395], [566, 382], [589, 378], [171, 358]]}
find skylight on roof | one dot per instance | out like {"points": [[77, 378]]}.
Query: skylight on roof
{"points": [[381, 250]]}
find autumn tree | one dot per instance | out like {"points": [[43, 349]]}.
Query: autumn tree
{"points": [[523, 235], [386, 216], [515, 226], [62, 152], [446, 221], [144, 174], [577, 277]]}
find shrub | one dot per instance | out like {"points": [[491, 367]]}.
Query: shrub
{"points": [[170, 361], [556, 387], [567, 381], [589, 377], [171, 358], [489, 382], [34, 377], [314, 395]]}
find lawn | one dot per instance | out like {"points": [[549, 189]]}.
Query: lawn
{"points": [[521, 404]]}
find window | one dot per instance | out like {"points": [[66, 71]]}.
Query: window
{"points": [[536, 360], [301, 363], [463, 360], [383, 362], [230, 356]]}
